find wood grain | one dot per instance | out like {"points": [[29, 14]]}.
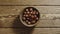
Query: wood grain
{"points": [[15, 22], [30, 2], [16, 10], [29, 31], [9, 16], [11, 9]]}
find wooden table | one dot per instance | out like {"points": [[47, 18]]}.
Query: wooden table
{"points": [[9, 17]]}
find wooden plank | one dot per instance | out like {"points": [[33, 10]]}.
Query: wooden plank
{"points": [[15, 10], [29, 31], [9, 16], [29, 2], [15, 22]]}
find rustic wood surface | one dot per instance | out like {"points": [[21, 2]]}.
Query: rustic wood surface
{"points": [[29, 30], [30, 2], [11, 9], [9, 16], [15, 22], [15, 10]]}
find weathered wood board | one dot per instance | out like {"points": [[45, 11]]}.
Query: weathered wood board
{"points": [[15, 10], [12, 22], [29, 31], [29, 2]]}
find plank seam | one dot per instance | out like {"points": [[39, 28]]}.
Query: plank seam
{"points": [[29, 5], [29, 27]]}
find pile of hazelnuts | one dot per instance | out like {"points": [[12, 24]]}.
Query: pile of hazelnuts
{"points": [[30, 15]]}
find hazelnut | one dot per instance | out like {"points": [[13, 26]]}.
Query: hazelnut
{"points": [[26, 15], [31, 12], [37, 18], [34, 12], [33, 21], [27, 10], [35, 15], [27, 18], [31, 9], [32, 16], [29, 22]]}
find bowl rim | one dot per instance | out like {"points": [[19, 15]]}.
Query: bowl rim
{"points": [[25, 22]]}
